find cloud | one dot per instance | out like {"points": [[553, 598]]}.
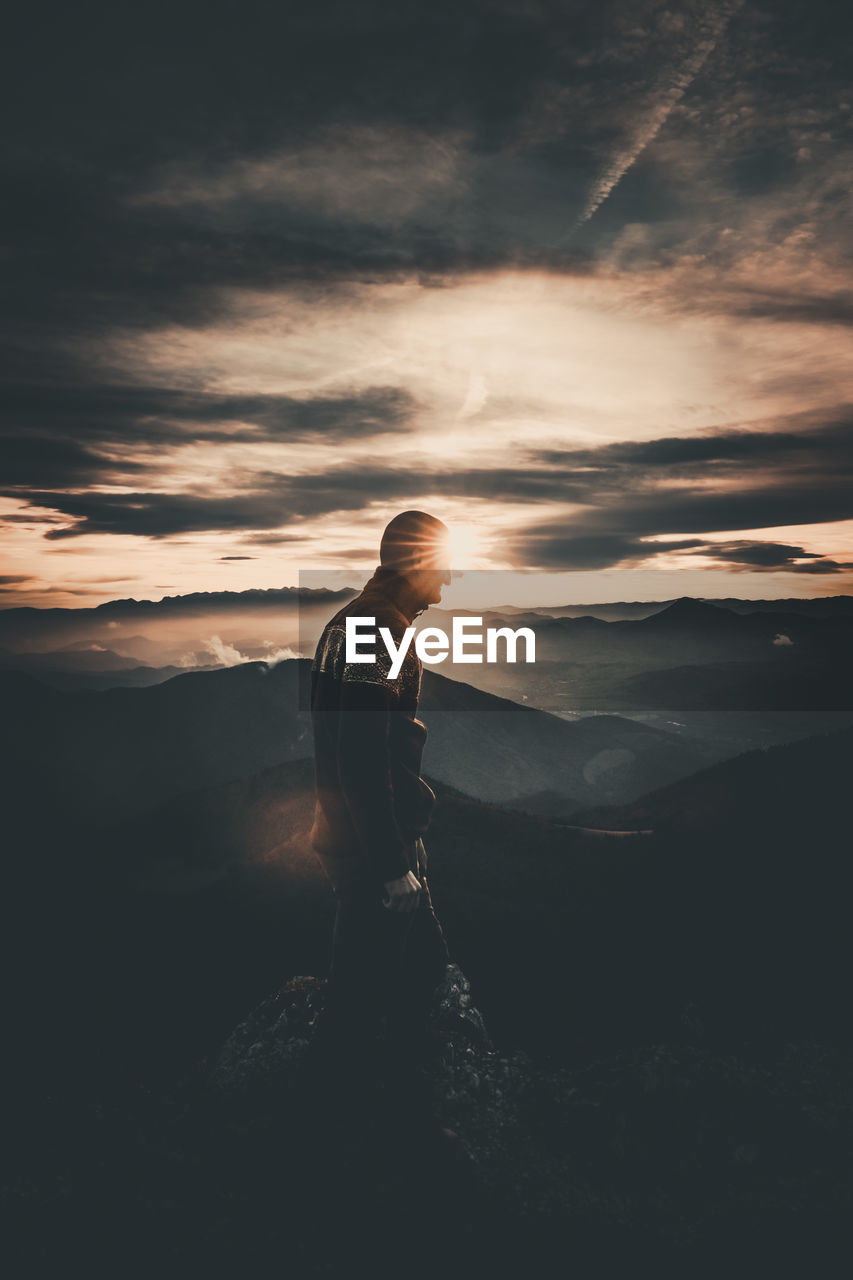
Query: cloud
{"points": [[228, 656], [36, 460], [376, 174], [548, 546], [272, 539], [699, 42], [237, 557], [759, 555], [693, 485], [42, 426], [223, 652], [771, 557], [626, 491], [357, 150]]}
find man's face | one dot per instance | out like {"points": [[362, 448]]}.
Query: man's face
{"points": [[428, 584]]}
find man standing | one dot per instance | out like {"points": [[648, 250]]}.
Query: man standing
{"points": [[372, 808]]}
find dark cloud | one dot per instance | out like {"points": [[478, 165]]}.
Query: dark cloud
{"points": [[61, 436], [824, 565], [38, 460], [35, 518], [790, 307], [693, 485], [9, 579], [771, 557], [93, 139], [531, 103], [271, 539], [237, 557], [548, 547], [626, 492], [159, 415], [357, 554], [822, 436], [759, 555]]}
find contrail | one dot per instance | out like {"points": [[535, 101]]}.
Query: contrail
{"points": [[714, 26]]}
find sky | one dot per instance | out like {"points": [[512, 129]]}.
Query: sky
{"points": [[575, 277]]}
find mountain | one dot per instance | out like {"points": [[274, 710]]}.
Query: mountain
{"points": [[668, 1013], [121, 678], [787, 681], [159, 632], [799, 783], [652, 1060], [94, 661], [162, 632], [69, 659], [814, 607], [121, 751], [105, 754], [691, 631], [691, 654], [687, 614], [739, 909], [498, 750]]}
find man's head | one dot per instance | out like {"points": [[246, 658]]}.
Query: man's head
{"points": [[417, 546]]}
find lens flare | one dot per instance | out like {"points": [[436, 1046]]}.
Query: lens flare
{"points": [[464, 546]]}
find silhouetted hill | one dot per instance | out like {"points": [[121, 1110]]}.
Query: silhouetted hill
{"points": [[688, 614], [92, 659], [786, 681], [814, 607], [496, 749], [800, 782], [122, 750], [130, 677]]}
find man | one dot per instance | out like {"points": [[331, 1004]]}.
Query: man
{"points": [[372, 808]]}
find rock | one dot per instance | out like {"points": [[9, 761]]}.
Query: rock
{"points": [[254, 1083]]}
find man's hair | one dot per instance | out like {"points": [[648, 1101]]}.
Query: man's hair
{"points": [[414, 540]]}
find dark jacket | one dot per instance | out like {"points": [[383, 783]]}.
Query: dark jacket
{"points": [[371, 801]]}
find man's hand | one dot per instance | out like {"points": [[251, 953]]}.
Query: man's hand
{"points": [[402, 894]]}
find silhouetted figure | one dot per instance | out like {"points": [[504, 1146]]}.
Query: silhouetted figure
{"points": [[372, 808]]}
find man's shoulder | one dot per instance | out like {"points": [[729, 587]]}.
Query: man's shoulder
{"points": [[331, 659]]}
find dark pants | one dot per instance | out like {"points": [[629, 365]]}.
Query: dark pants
{"points": [[384, 971]]}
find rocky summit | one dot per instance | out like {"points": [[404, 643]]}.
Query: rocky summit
{"points": [[673, 1156]]}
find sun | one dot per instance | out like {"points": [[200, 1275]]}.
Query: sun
{"points": [[464, 545]]}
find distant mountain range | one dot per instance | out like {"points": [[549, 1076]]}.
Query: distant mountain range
{"points": [[176, 625], [690, 654], [248, 617]]}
